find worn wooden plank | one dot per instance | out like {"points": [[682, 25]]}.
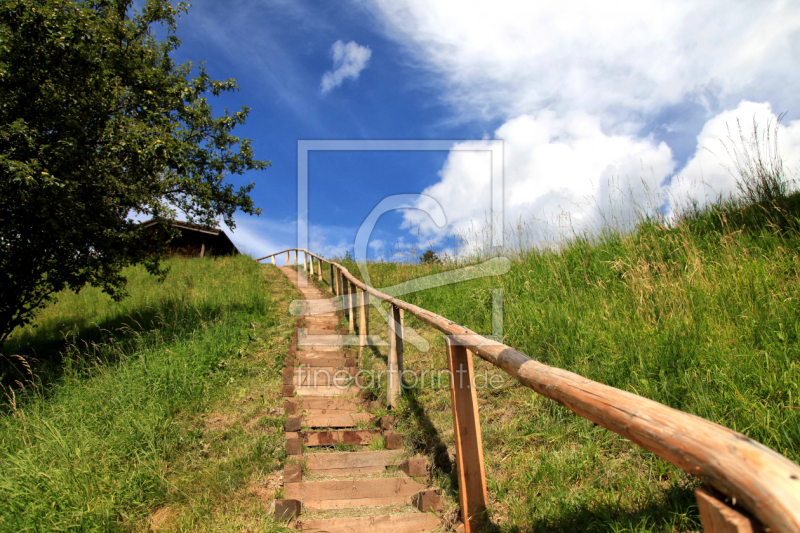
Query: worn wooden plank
{"points": [[344, 436], [315, 405], [316, 462], [343, 473], [338, 420], [320, 354], [396, 523], [304, 390], [317, 493], [718, 517], [320, 379], [467, 431], [303, 369], [322, 361], [322, 329]]}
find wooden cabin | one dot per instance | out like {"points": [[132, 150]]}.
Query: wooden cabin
{"points": [[198, 241]]}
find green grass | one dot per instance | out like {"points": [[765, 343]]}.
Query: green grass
{"points": [[702, 315], [158, 407]]}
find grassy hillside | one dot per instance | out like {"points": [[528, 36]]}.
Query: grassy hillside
{"points": [[129, 419], [702, 315]]}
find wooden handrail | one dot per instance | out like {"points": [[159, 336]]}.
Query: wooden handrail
{"points": [[764, 482]]}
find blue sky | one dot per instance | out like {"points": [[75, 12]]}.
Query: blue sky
{"points": [[588, 100]]}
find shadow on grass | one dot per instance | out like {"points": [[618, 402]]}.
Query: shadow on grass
{"points": [[427, 439], [78, 346], [674, 509]]}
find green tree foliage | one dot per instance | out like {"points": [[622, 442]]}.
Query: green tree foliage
{"points": [[429, 257], [97, 122]]}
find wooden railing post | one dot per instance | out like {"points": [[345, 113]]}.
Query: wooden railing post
{"points": [[305, 262], [273, 259], [363, 320], [467, 429], [395, 360], [351, 302], [296, 263], [719, 517], [287, 258], [319, 270], [311, 265], [332, 284]]}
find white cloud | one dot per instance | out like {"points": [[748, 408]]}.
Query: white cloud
{"points": [[573, 84], [348, 62], [711, 172], [614, 60], [554, 167]]}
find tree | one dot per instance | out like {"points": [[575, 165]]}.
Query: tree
{"points": [[97, 123], [429, 258]]}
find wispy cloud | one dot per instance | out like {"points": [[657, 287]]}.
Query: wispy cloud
{"points": [[574, 85], [348, 62]]}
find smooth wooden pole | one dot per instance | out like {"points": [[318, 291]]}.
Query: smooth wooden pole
{"points": [[332, 284], [287, 258], [310, 265], [305, 262], [393, 370], [295, 259], [273, 259], [351, 303], [319, 270], [362, 320], [346, 302], [399, 333], [467, 429]]}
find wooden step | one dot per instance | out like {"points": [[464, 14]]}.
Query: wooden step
{"points": [[340, 378], [347, 392], [318, 330], [343, 420], [351, 463], [343, 436], [316, 347], [324, 340], [395, 523], [317, 354], [327, 319], [324, 405], [332, 316], [353, 493], [339, 362], [319, 370]]}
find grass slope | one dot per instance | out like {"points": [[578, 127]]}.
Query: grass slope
{"points": [[703, 316], [159, 410]]}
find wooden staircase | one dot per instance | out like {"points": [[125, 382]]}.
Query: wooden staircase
{"points": [[372, 486]]}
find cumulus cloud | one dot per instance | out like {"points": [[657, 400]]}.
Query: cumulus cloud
{"points": [[711, 172], [616, 60], [555, 166], [348, 62], [574, 83]]}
